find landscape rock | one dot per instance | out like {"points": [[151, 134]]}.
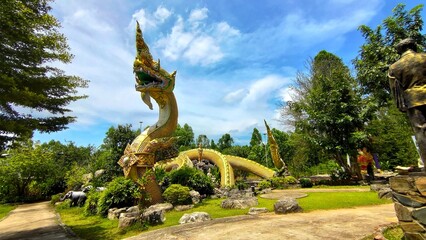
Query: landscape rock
{"points": [[239, 203], [287, 205], [124, 221], [195, 196], [255, 211], [161, 206], [114, 213], [180, 208], [194, 217], [385, 193], [154, 216]]}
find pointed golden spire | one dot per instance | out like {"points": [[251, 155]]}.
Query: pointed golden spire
{"points": [[142, 49]]}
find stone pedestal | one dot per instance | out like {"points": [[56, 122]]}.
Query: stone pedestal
{"points": [[409, 196]]}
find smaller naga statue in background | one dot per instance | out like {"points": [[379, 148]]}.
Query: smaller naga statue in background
{"points": [[407, 79]]}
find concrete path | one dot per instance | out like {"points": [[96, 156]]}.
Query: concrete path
{"points": [[32, 221], [353, 223]]}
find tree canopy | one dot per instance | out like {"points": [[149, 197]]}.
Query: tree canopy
{"points": [[34, 94], [378, 52]]}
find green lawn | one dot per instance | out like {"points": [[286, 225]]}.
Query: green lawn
{"points": [[95, 227], [5, 209]]}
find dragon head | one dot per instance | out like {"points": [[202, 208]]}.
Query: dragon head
{"points": [[149, 75]]}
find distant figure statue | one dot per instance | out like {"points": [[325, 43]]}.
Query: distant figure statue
{"points": [[407, 79]]}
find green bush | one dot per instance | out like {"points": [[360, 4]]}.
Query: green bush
{"points": [[306, 182], [177, 194], [192, 178], [282, 182], [91, 205], [55, 198], [264, 184], [241, 185], [120, 192], [290, 180]]}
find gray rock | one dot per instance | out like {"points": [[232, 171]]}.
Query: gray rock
{"points": [[161, 206], [403, 213], [195, 196], [239, 203], [114, 213], [378, 187], [124, 221], [287, 205], [194, 217], [180, 208], [420, 215], [134, 209], [255, 211], [154, 216], [385, 193], [409, 201]]}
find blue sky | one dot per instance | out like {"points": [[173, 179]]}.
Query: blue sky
{"points": [[235, 60]]}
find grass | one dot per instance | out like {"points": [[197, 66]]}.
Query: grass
{"points": [[96, 227], [336, 200], [5, 209], [394, 233]]}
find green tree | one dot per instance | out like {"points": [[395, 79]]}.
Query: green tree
{"points": [[33, 93], [203, 140], [391, 138], [213, 145], [28, 173], [378, 51], [115, 142], [186, 137], [328, 111], [256, 138], [239, 151], [225, 141]]}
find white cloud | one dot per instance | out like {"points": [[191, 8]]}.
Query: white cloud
{"points": [[235, 96], [197, 15], [162, 13], [196, 41]]}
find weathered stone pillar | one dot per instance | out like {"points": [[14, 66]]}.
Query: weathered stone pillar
{"points": [[409, 196]]}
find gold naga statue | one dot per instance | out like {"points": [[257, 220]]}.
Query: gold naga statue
{"points": [[154, 147]]}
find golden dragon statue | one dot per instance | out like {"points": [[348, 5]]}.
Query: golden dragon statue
{"points": [[154, 147]]}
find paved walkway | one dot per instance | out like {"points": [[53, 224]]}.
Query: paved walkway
{"points": [[38, 221], [32, 221], [353, 223]]}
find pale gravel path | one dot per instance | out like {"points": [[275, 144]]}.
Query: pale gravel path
{"points": [[353, 223], [36, 221]]}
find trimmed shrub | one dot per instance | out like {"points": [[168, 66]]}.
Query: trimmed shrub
{"points": [[306, 182], [91, 205], [192, 178], [290, 180], [120, 192], [283, 182], [264, 184], [177, 194]]}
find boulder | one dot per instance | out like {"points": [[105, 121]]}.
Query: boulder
{"points": [[125, 221], [239, 203], [154, 216], [114, 213], [194, 217], [195, 196], [180, 208], [161, 206], [385, 193], [255, 211], [287, 205]]}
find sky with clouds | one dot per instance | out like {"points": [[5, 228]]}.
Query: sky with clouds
{"points": [[235, 60]]}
